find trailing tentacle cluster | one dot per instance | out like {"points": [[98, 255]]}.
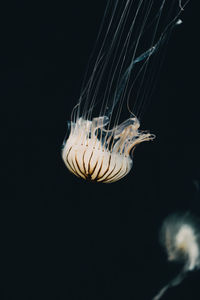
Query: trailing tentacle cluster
{"points": [[94, 152]]}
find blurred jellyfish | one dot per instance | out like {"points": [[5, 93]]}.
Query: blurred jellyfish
{"points": [[180, 236], [120, 78]]}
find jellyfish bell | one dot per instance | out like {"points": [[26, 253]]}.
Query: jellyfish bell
{"points": [[100, 144], [187, 245], [180, 237], [94, 153]]}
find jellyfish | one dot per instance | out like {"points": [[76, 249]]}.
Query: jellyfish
{"points": [[122, 71], [180, 237]]}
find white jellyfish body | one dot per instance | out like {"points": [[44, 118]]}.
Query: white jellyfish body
{"points": [[186, 241], [100, 144], [104, 155], [180, 236]]}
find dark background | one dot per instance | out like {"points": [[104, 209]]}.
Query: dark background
{"points": [[62, 238]]}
